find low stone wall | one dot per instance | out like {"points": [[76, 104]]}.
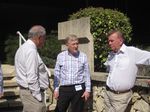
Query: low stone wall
{"points": [[140, 101]]}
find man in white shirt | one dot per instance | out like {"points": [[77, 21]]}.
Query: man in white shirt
{"points": [[122, 66], [31, 74]]}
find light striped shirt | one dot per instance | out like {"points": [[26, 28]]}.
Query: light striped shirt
{"points": [[70, 70], [1, 80]]}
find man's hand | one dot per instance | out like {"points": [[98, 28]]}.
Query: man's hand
{"points": [[1, 95], [56, 94], [148, 81], [86, 95]]}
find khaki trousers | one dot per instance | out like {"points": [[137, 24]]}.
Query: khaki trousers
{"points": [[116, 102], [30, 104]]}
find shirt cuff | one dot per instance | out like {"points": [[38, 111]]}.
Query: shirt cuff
{"points": [[1, 89], [57, 89], [88, 89], [38, 96]]}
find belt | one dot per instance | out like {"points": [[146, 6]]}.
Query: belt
{"points": [[21, 87], [72, 85], [117, 92]]}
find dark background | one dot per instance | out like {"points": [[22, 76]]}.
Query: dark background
{"points": [[21, 15]]}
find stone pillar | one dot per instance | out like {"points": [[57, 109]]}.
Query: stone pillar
{"points": [[81, 28]]}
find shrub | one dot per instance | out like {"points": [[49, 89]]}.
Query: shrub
{"points": [[50, 50], [11, 45], [48, 53], [101, 21]]}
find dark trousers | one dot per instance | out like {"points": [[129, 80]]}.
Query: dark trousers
{"points": [[68, 95]]}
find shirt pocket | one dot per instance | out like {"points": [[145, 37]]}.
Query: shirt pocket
{"points": [[123, 63], [42, 68], [80, 65], [63, 66]]}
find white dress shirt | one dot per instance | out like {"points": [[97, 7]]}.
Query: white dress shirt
{"points": [[122, 67], [30, 69]]}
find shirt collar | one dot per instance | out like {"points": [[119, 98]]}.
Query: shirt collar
{"points": [[123, 48], [29, 41], [76, 55]]}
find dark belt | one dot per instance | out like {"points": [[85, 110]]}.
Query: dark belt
{"points": [[72, 85], [117, 92]]}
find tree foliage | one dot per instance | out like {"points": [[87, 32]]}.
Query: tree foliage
{"points": [[50, 50], [48, 53], [101, 21]]}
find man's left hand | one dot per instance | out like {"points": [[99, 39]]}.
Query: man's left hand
{"points": [[86, 95], [1, 95], [148, 81]]}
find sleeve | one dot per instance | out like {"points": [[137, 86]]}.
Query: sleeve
{"points": [[57, 74], [87, 75], [32, 74], [107, 63], [43, 74], [1, 80], [142, 57]]}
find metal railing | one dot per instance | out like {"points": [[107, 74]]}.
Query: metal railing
{"points": [[20, 38]]}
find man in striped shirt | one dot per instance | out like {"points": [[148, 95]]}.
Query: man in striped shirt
{"points": [[72, 81], [1, 82]]}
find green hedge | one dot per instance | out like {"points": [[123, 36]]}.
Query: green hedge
{"points": [[102, 20], [48, 53]]}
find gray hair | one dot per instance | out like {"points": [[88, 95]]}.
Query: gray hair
{"points": [[37, 31], [71, 37], [119, 33]]}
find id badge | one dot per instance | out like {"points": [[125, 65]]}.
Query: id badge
{"points": [[78, 87]]}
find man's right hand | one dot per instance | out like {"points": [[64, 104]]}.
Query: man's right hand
{"points": [[56, 94]]}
